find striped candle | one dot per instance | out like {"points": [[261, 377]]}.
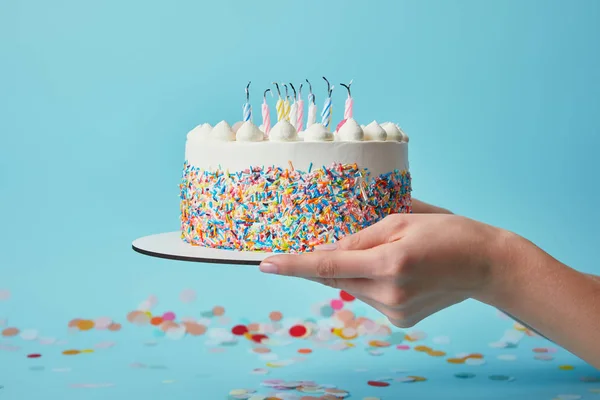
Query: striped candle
{"points": [[300, 116], [326, 113], [293, 116], [247, 109], [266, 115], [247, 112], [280, 109]]}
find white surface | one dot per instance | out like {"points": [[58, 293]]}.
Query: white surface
{"points": [[378, 157], [170, 245]]}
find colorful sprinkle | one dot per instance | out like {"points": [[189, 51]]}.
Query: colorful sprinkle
{"points": [[285, 210]]}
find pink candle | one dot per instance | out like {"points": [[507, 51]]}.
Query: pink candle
{"points": [[349, 102], [266, 114], [300, 120], [300, 115]]}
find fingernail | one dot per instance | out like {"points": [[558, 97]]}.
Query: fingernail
{"points": [[268, 268], [326, 247]]}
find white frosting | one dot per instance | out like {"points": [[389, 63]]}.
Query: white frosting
{"points": [[283, 131], [393, 132], [378, 157], [350, 131], [200, 132], [317, 133], [249, 132], [222, 132], [236, 127], [374, 131], [404, 135]]}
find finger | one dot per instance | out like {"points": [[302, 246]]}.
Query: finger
{"points": [[384, 231], [321, 264]]}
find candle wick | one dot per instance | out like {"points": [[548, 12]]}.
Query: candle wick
{"points": [[347, 87], [265, 95], [329, 88], [294, 89], [278, 91], [248, 92]]}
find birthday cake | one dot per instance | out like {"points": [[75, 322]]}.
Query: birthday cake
{"points": [[286, 188]]}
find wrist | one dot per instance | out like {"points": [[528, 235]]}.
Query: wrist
{"points": [[505, 262]]}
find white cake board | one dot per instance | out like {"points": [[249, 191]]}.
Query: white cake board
{"points": [[170, 245]]}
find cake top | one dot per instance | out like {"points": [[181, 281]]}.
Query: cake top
{"points": [[290, 125]]}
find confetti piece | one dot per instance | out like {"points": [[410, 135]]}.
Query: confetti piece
{"points": [[474, 361], [168, 316], [298, 331], [114, 327], [187, 296], [29, 334], [85, 325], [337, 304], [346, 296], [464, 375], [218, 311], [378, 384], [71, 352], [10, 332], [304, 351], [566, 367], [102, 323], [34, 355], [4, 294]]}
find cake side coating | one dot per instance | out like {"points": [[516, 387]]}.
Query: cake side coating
{"points": [[289, 196]]}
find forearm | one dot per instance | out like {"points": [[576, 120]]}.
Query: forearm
{"points": [[555, 300], [420, 207]]}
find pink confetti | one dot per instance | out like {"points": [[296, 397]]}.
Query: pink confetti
{"points": [[102, 323], [168, 316], [4, 294], [337, 304]]}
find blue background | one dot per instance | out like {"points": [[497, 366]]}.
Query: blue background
{"points": [[500, 100]]}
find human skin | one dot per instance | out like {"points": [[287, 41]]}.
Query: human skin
{"points": [[409, 266]]}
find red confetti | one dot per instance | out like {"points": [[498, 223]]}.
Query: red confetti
{"points": [[378, 383], [239, 330], [298, 331], [34, 355], [346, 296], [259, 338]]}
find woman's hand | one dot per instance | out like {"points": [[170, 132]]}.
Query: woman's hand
{"points": [[408, 266]]}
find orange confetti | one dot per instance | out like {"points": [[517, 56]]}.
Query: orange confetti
{"points": [[194, 328], [275, 316], [456, 360], [71, 352], [218, 311], [114, 327], [156, 321], [475, 355], [9, 332], [436, 353], [304, 351], [422, 348], [85, 324]]}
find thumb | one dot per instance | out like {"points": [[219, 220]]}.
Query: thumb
{"points": [[387, 230]]}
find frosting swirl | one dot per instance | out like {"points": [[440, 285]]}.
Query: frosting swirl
{"points": [[393, 132], [317, 133], [236, 127], [222, 132], [350, 131], [375, 132], [201, 132], [248, 132], [283, 131]]}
